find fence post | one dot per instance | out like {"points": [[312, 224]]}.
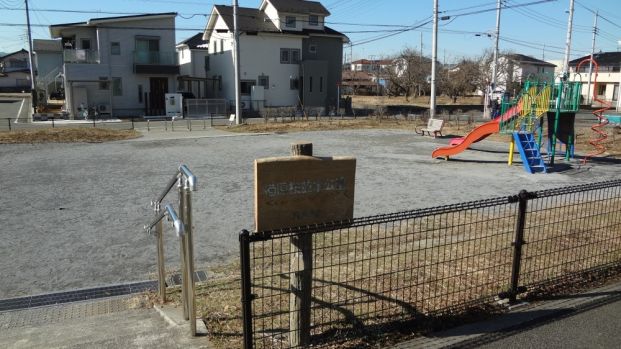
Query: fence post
{"points": [[523, 198], [302, 275], [246, 288], [132, 122], [52, 122], [9, 121]]}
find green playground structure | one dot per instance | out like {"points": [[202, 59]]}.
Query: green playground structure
{"points": [[559, 101]]}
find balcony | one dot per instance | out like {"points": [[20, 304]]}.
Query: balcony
{"points": [[81, 56], [156, 62]]}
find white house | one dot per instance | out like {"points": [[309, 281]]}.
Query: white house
{"points": [[15, 71], [122, 66], [193, 56], [287, 55], [608, 77], [515, 69]]}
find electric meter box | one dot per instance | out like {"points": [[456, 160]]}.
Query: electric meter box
{"points": [[174, 105]]}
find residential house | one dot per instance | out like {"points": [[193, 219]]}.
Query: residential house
{"points": [[514, 69], [608, 77], [15, 72], [358, 82], [193, 56], [122, 66], [288, 56]]}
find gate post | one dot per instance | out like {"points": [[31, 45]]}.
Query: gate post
{"points": [[302, 275], [246, 288]]}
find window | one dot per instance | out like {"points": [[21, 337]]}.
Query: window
{"points": [[289, 56], [616, 69], [310, 84], [86, 44], [117, 87], [115, 48], [221, 45], [206, 63], [295, 56], [321, 84], [246, 86], [264, 81], [104, 84], [615, 92], [284, 56], [219, 82], [290, 22], [601, 90], [312, 48], [140, 93], [294, 83], [313, 20]]}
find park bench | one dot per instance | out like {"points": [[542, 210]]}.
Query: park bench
{"points": [[433, 126]]}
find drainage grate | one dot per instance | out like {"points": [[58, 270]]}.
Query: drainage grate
{"points": [[75, 295]]}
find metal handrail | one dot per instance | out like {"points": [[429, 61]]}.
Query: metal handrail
{"points": [[169, 212], [186, 184], [182, 171]]}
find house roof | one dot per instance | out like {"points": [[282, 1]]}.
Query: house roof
{"points": [[528, 59], [602, 58], [356, 75], [55, 29], [299, 6], [13, 53], [375, 61], [255, 20], [248, 19], [195, 42]]}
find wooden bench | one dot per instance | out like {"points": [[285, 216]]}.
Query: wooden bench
{"points": [[433, 126]]}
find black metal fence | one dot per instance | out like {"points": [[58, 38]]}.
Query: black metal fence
{"points": [[371, 272]]}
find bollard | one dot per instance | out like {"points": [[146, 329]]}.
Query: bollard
{"points": [[172, 125], [52, 122], [148, 125], [132, 122], [9, 121]]}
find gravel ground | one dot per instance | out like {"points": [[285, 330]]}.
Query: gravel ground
{"points": [[72, 214]]}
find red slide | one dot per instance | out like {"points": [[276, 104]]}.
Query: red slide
{"points": [[474, 136], [478, 134]]}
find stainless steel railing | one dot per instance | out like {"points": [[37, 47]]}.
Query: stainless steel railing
{"points": [[186, 184]]}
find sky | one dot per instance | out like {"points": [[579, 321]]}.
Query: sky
{"points": [[377, 29]]}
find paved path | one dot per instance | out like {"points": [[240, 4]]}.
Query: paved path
{"points": [[72, 214], [110, 323], [585, 320]]}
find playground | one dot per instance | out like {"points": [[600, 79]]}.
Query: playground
{"points": [[524, 118], [74, 213]]}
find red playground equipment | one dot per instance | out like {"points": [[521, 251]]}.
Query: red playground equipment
{"points": [[600, 148]]}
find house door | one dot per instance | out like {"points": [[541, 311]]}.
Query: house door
{"points": [[159, 87]]}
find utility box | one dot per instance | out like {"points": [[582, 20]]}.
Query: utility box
{"points": [[174, 105]]}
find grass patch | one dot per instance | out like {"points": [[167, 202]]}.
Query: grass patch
{"points": [[66, 135]]}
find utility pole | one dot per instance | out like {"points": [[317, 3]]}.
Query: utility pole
{"points": [[434, 49], [496, 38], [238, 118], [33, 85], [570, 22], [588, 99]]}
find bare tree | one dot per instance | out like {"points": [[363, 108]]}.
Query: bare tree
{"points": [[460, 80], [408, 74]]}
